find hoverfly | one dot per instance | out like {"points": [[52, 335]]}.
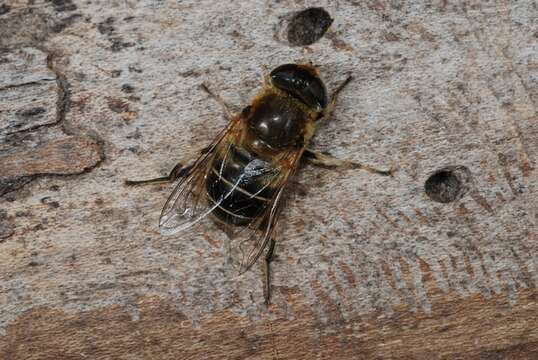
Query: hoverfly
{"points": [[241, 179]]}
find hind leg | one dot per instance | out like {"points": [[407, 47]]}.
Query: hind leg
{"points": [[267, 282]]}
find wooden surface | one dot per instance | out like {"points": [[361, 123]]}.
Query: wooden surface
{"points": [[367, 267]]}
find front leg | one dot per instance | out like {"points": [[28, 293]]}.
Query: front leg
{"points": [[320, 159], [334, 97], [225, 107]]}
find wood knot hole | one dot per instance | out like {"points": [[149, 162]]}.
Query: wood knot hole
{"points": [[308, 26], [448, 184]]}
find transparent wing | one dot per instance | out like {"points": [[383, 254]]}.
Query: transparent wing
{"points": [[187, 205], [250, 241]]}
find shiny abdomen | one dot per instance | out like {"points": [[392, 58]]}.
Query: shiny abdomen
{"points": [[239, 183]]}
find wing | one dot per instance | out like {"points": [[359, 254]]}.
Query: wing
{"points": [[250, 241], [186, 206], [188, 203]]}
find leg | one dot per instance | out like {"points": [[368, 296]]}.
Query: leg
{"points": [[334, 96], [318, 158], [177, 172], [227, 110], [268, 259]]}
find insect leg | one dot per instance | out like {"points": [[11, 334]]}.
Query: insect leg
{"points": [[320, 159], [268, 259], [334, 96], [177, 172], [227, 109]]}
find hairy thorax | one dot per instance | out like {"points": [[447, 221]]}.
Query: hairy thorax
{"points": [[277, 122]]}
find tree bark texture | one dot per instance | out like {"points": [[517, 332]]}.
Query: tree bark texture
{"points": [[438, 262]]}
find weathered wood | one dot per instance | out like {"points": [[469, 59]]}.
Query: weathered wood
{"points": [[29, 91], [366, 267], [469, 329], [33, 98]]}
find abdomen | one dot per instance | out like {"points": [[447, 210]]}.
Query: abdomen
{"points": [[240, 186]]}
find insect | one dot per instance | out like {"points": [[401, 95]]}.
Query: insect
{"points": [[242, 178]]}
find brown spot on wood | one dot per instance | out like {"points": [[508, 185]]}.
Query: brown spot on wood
{"points": [[468, 265], [117, 105], [386, 217], [213, 242], [407, 275], [390, 36], [405, 217], [80, 102], [331, 308], [462, 210], [480, 200], [424, 33], [423, 219], [121, 107], [348, 274], [500, 197], [426, 270], [338, 287], [389, 275], [526, 167], [503, 161], [376, 5], [337, 42]]}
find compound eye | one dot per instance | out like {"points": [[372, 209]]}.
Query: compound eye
{"points": [[301, 83]]}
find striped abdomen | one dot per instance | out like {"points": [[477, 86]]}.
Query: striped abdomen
{"points": [[240, 186]]}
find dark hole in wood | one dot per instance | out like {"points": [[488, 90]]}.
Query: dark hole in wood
{"points": [[308, 26], [447, 184]]}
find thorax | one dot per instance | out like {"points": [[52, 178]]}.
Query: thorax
{"points": [[276, 123]]}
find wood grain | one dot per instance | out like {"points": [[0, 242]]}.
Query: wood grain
{"points": [[467, 329], [366, 267]]}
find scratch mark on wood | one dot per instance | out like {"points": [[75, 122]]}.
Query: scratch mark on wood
{"points": [[385, 216], [348, 274], [480, 200], [331, 309], [403, 276], [423, 220], [506, 172]]}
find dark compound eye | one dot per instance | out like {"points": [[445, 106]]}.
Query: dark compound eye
{"points": [[301, 83]]}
